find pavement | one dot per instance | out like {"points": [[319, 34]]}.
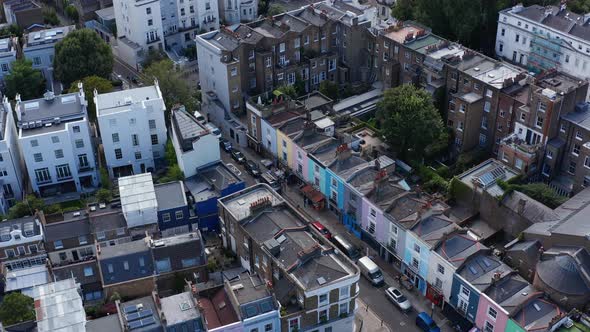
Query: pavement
{"points": [[367, 320]]}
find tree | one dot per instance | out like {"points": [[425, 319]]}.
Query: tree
{"points": [[81, 54], [190, 52], [275, 9], [104, 195], [175, 88], [170, 153], [153, 56], [25, 80], [403, 10], [409, 120], [11, 30], [299, 85], [329, 89], [26, 207], [50, 16], [105, 180], [288, 90], [16, 308], [72, 13], [90, 84]]}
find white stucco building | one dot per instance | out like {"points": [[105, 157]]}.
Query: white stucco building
{"points": [[139, 29], [7, 56], [56, 144], [132, 128], [542, 38], [236, 11], [138, 200], [11, 164], [182, 20], [194, 144]]}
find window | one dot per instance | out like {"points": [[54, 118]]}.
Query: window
{"points": [[460, 126], [549, 154], [562, 128], [322, 299], [83, 160], [438, 283], [34, 143], [415, 263], [492, 313], [234, 71], [542, 107], [503, 32], [517, 38], [416, 248], [343, 308], [518, 163], [82, 239], [59, 153], [38, 157], [188, 262], [42, 175], [112, 122], [587, 162], [576, 150], [154, 139], [268, 327], [488, 327], [152, 124], [9, 253], [166, 217], [37, 61], [79, 143], [88, 271], [132, 121], [294, 324], [33, 249], [148, 10], [58, 244], [137, 155], [5, 67], [579, 135], [163, 265], [572, 167], [135, 140], [539, 123], [118, 154], [344, 292], [465, 292], [141, 262], [150, 22], [484, 122], [54, 139], [482, 139], [323, 315], [179, 215], [440, 269], [115, 137], [63, 171], [100, 235]]}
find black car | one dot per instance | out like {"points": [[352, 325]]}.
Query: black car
{"points": [[238, 156], [225, 144], [252, 168]]}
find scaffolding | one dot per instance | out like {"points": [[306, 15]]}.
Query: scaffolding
{"points": [[545, 53]]}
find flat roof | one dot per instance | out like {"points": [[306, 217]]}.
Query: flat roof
{"points": [[62, 106], [58, 306], [170, 195], [137, 192], [210, 181], [39, 39], [106, 14], [179, 308], [120, 101], [123, 249], [26, 278], [486, 174], [140, 318]]}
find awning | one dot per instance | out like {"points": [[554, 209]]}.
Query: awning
{"points": [[311, 193]]}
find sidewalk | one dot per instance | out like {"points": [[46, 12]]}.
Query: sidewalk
{"points": [[366, 320], [330, 220]]}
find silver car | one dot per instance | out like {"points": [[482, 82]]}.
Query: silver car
{"points": [[395, 296]]}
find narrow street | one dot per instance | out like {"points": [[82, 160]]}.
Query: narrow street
{"points": [[387, 313]]}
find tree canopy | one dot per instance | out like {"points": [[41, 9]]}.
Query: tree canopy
{"points": [[16, 308], [81, 54], [410, 122], [175, 88], [90, 84], [275, 9], [329, 89], [25, 80]]}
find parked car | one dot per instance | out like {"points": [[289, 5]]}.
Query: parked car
{"points": [[214, 130], [426, 323], [394, 295], [225, 144], [271, 180], [322, 229], [371, 271], [266, 163], [200, 118], [252, 168], [238, 156], [348, 249]]}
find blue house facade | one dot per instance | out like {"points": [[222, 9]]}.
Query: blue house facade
{"points": [[416, 257], [211, 183], [173, 208], [464, 298]]}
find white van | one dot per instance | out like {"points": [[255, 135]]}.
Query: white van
{"points": [[370, 270], [201, 119]]}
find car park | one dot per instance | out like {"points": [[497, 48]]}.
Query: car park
{"points": [[398, 299]]}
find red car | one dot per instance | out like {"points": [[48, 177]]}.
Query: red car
{"points": [[322, 229]]}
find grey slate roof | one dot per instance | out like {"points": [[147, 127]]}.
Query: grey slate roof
{"points": [[67, 229], [107, 323], [561, 20], [567, 273], [458, 247], [66, 105], [536, 314], [170, 195], [510, 292]]}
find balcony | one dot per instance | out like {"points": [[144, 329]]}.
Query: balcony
{"points": [[83, 169], [65, 177], [70, 262], [44, 181], [152, 40]]}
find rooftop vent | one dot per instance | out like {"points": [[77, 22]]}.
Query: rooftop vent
{"points": [[184, 306], [237, 287], [321, 280], [49, 96]]}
